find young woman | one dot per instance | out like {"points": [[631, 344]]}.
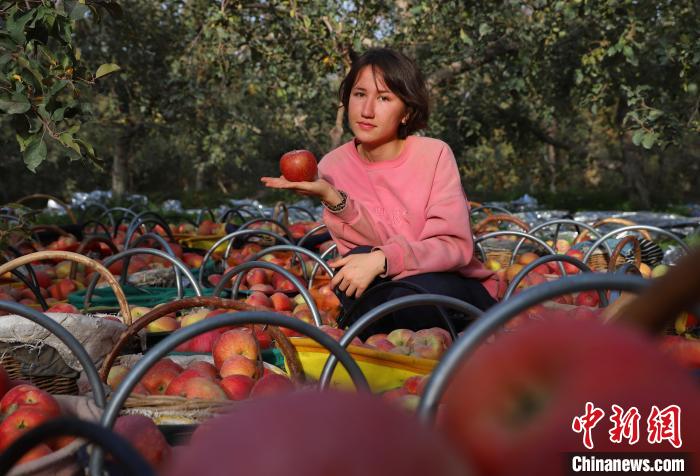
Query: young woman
{"points": [[394, 202]]}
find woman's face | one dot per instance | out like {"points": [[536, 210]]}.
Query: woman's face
{"points": [[374, 112]]}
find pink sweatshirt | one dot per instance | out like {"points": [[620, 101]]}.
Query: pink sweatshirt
{"points": [[412, 207]]}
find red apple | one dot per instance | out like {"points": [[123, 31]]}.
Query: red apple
{"points": [[235, 342], [683, 350], [205, 369], [570, 268], [237, 387], [266, 289], [281, 302], [192, 260], [145, 437], [193, 317], [520, 419], [20, 421], [271, 384], [256, 276], [385, 440], [587, 298], [158, 378], [383, 345], [35, 453], [299, 166], [414, 384], [238, 365], [400, 337], [259, 299], [63, 307], [163, 324], [200, 387], [371, 340], [263, 337], [29, 396], [116, 375], [426, 344], [282, 284], [42, 278], [177, 385]]}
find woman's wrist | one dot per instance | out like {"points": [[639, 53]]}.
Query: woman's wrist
{"points": [[381, 262], [332, 197]]}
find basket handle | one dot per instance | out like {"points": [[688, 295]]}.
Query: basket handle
{"points": [[292, 358], [612, 264], [63, 204], [481, 226], [53, 228], [583, 236], [281, 209], [84, 246], [89, 262]]}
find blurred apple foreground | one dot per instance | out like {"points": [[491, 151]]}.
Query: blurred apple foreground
{"points": [[312, 433], [532, 383]]}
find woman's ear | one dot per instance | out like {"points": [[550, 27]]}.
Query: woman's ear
{"points": [[406, 117]]}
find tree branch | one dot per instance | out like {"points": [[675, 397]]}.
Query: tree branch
{"points": [[491, 52]]}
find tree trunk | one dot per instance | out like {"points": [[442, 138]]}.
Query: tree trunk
{"points": [[337, 132], [120, 167], [199, 177], [633, 169]]}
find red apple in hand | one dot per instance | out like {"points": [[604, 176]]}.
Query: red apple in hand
{"points": [[299, 166]]}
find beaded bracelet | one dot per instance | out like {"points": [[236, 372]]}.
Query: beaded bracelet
{"points": [[340, 206]]}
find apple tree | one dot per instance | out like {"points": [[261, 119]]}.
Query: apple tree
{"points": [[42, 77]]}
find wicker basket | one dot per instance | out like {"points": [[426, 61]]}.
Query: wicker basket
{"points": [[599, 261], [584, 235], [180, 410], [51, 372], [53, 384], [492, 223], [174, 410]]}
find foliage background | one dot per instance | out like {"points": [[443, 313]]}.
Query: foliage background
{"points": [[584, 104]]}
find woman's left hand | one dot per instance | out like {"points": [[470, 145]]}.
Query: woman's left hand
{"points": [[357, 272]]}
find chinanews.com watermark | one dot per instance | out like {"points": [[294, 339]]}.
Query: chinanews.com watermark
{"points": [[619, 463], [662, 427]]}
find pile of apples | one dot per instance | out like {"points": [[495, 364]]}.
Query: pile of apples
{"points": [[237, 373], [425, 343], [408, 395], [203, 343], [23, 407]]}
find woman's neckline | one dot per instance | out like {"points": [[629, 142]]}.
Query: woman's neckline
{"points": [[398, 160]]}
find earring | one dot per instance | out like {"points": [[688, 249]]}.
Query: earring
{"points": [[403, 121]]}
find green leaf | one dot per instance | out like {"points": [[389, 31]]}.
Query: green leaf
{"points": [[58, 114], [87, 146], [649, 140], [105, 69], [15, 27], [4, 59], [484, 29], [57, 86], [67, 140], [35, 154], [638, 136], [18, 104]]}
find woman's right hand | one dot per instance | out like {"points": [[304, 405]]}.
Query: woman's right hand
{"points": [[318, 188]]}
